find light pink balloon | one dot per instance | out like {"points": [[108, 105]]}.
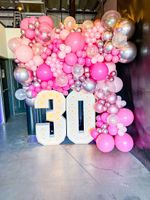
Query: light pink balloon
{"points": [[46, 19], [105, 143], [71, 59], [44, 73], [124, 143], [116, 85], [75, 40], [24, 24], [38, 60], [24, 53], [125, 116], [99, 71], [14, 43], [111, 67]]}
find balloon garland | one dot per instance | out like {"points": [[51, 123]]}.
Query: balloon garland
{"points": [[79, 57]]}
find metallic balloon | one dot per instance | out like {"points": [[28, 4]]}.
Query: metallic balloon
{"points": [[21, 74], [78, 71], [29, 94], [30, 102], [20, 94], [113, 109], [110, 18], [108, 47], [107, 36], [89, 85], [128, 53], [125, 26], [36, 84]]}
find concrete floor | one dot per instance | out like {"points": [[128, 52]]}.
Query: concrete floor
{"points": [[66, 172]]}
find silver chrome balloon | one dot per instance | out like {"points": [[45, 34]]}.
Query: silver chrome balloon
{"points": [[78, 70], [108, 47], [110, 18], [128, 53], [21, 74], [125, 26], [89, 85], [20, 94], [107, 36]]}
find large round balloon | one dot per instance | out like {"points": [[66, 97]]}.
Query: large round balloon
{"points": [[75, 40], [128, 53], [124, 143], [14, 43], [44, 72], [99, 71], [47, 20], [24, 53], [125, 116], [105, 142]]}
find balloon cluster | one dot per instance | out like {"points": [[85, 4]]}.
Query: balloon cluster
{"points": [[79, 57]]}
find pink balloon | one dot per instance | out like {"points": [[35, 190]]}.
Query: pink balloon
{"points": [[99, 71], [111, 67], [125, 116], [63, 34], [75, 40], [32, 20], [44, 72], [46, 19], [30, 34], [24, 53], [105, 143], [113, 130], [116, 85], [94, 133], [24, 24], [71, 59], [124, 143], [104, 117], [14, 43], [45, 27], [44, 85], [67, 68]]}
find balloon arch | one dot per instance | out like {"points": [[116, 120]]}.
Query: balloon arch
{"points": [[80, 57]]}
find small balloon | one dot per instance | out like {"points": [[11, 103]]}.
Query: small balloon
{"points": [[89, 85], [87, 24], [78, 70]]}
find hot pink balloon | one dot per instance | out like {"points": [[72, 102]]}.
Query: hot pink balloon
{"points": [[124, 143], [24, 53], [44, 73], [67, 68], [24, 24], [113, 130], [46, 19], [125, 116], [99, 71], [75, 40], [105, 143], [71, 59]]}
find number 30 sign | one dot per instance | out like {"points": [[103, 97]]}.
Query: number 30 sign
{"points": [[80, 117]]}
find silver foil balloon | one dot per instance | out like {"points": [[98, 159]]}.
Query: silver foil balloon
{"points": [[21, 74], [125, 26], [128, 53], [20, 94], [107, 36], [78, 71], [110, 18], [30, 102], [89, 85], [108, 47]]}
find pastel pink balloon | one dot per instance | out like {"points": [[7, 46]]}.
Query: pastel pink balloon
{"points": [[24, 53], [14, 43], [99, 71], [71, 59], [116, 85], [30, 34], [24, 24], [38, 60], [124, 143], [75, 40], [113, 130], [94, 133], [67, 68], [125, 116], [46, 19], [111, 67], [105, 143], [44, 73]]}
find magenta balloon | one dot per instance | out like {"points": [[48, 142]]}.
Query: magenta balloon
{"points": [[24, 25], [125, 116], [24, 53], [105, 143], [44, 73], [71, 59], [46, 19], [75, 40], [124, 143], [99, 71]]}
